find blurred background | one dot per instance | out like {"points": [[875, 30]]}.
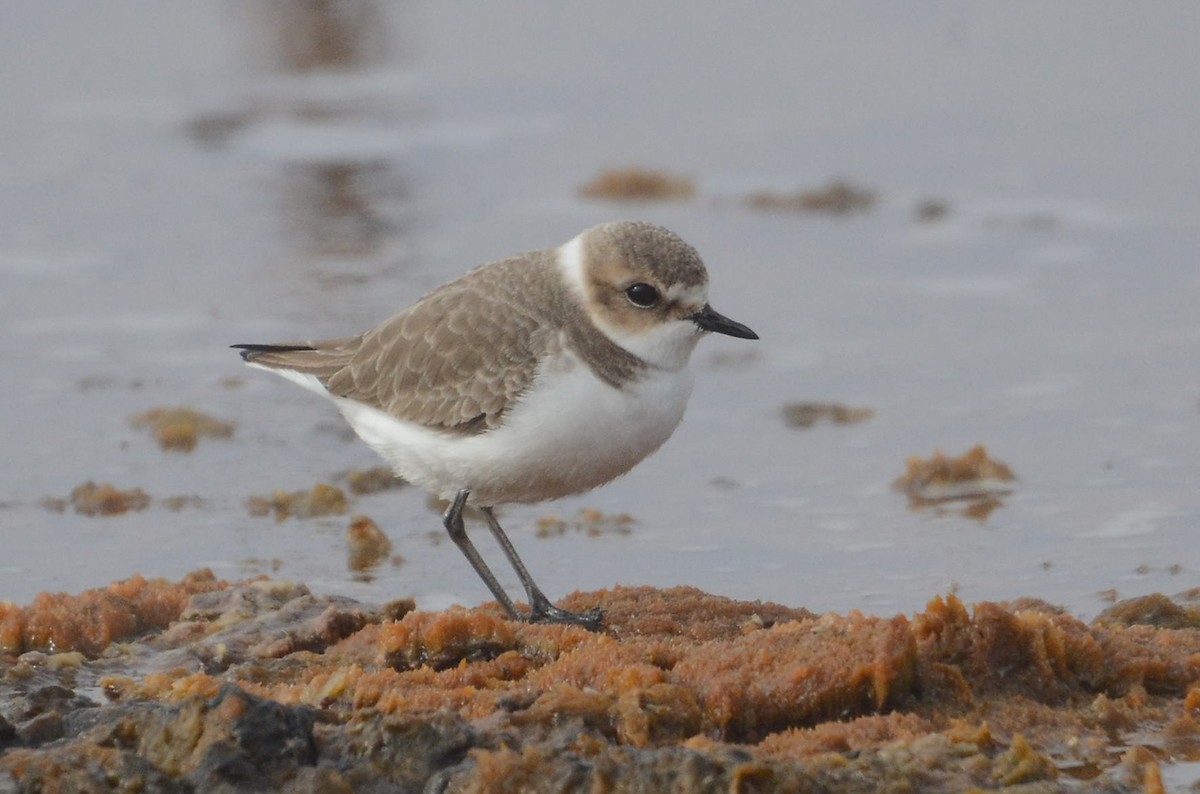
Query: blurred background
{"points": [[951, 224]]}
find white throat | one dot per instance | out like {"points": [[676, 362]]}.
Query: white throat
{"points": [[667, 346]]}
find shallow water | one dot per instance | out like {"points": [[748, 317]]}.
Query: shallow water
{"points": [[176, 180]]}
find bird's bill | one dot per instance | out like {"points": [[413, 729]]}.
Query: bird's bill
{"points": [[711, 320]]}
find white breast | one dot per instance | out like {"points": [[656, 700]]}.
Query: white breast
{"points": [[569, 433]]}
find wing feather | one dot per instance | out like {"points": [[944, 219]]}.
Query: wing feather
{"points": [[455, 360]]}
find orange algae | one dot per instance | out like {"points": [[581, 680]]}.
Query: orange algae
{"points": [[365, 481], [92, 620], [440, 640], [803, 415], [638, 184], [694, 690], [366, 544], [179, 429], [972, 475], [974, 480], [836, 198], [104, 499], [321, 500], [832, 668]]}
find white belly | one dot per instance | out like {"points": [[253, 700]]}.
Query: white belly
{"points": [[569, 433]]}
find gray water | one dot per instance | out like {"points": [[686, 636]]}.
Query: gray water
{"points": [[175, 178]]}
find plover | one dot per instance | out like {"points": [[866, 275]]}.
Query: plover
{"points": [[527, 379]]}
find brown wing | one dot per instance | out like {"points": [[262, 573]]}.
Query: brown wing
{"points": [[455, 360]]}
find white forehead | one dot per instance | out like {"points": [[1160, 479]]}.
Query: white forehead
{"points": [[693, 295], [570, 262]]}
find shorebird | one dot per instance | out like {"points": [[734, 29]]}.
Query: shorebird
{"points": [[530, 378]]}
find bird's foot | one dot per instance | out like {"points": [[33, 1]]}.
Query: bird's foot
{"points": [[592, 620]]}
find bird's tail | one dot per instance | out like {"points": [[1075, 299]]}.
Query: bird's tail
{"points": [[318, 359]]}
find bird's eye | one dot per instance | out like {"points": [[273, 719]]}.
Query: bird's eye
{"points": [[642, 295]]}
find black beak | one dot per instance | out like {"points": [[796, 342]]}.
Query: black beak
{"points": [[710, 320]]}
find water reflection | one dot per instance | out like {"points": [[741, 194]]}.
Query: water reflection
{"points": [[325, 34], [333, 204], [331, 201], [335, 195]]}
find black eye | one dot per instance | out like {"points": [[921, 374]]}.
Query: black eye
{"points": [[642, 295]]}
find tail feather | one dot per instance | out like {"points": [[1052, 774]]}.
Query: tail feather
{"points": [[318, 359], [252, 352]]}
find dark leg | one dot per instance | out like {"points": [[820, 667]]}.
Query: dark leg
{"points": [[541, 610], [453, 522]]}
